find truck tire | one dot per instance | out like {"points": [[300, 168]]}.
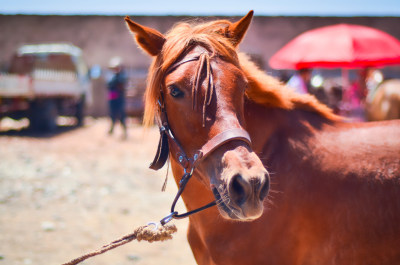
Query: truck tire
{"points": [[43, 115], [80, 112]]}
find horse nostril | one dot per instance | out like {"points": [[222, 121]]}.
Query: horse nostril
{"points": [[265, 188], [237, 189], [240, 189]]}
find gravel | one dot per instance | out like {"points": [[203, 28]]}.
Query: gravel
{"points": [[73, 191]]}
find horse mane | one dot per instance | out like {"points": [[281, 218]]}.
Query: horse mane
{"points": [[268, 91], [263, 89]]}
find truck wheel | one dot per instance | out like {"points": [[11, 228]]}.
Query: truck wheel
{"points": [[80, 112], [50, 117], [43, 115]]}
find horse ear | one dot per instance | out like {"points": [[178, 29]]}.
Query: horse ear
{"points": [[237, 30], [150, 40]]}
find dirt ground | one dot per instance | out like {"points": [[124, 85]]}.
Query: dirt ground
{"points": [[71, 192]]}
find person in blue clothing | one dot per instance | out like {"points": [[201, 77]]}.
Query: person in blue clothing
{"points": [[116, 95]]}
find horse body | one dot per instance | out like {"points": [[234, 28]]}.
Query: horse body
{"points": [[335, 186], [336, 200]]}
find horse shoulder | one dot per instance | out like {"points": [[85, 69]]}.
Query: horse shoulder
{"points": [[335, 180], [364, 149]]}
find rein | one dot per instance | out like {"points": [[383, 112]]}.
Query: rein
{"points": [[168, 144]]}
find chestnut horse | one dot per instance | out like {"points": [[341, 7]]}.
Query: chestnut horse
{"points": [[334, 194]]}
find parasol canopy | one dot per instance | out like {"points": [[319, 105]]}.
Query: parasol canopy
{"points": [[338, 46]]}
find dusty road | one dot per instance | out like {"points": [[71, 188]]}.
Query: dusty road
{"points": [[65, 194]]}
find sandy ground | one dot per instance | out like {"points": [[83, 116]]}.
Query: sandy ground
{"points": [[71, 192]]}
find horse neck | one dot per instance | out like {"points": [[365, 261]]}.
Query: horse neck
{"points": [[271, 128]]}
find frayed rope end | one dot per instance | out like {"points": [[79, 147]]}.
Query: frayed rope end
{"points": [[161, 233]]}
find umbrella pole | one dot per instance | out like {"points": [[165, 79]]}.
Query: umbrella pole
{"points": [[345, 85]]}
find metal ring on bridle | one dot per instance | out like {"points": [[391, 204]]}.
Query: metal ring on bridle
{"points": [[168, 218]]}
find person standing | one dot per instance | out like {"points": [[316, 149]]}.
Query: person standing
{"points": [[116, 95], [300, 81]]}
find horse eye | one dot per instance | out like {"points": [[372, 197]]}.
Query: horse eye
{"points": [[175, 92]]}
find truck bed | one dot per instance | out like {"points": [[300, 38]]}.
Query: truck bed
{"points": [[13, 85], [42, 83]]}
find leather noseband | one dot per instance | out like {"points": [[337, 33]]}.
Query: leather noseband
{"points": [[168, 143]]}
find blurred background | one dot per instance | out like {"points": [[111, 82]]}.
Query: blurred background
{"points": [[98, 29], [67, 189]]}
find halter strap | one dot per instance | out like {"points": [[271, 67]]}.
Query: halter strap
{"points": [[169, 144], [189, 164], [222, 138], [175, 65]]}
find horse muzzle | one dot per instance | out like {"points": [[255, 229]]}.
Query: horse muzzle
{"points": [[242, 187]]}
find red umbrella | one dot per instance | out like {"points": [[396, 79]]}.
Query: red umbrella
{"points": [[338, 46]]}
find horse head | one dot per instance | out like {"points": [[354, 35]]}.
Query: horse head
{"points": [[196, 82]]}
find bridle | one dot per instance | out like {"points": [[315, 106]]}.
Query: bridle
{"points": [[168, 144]]}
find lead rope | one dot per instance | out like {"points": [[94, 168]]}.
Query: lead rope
{"points": [[146, 233], [161, 232]]}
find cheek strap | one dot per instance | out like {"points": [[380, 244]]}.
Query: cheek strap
{"points": [[162, 151]]}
